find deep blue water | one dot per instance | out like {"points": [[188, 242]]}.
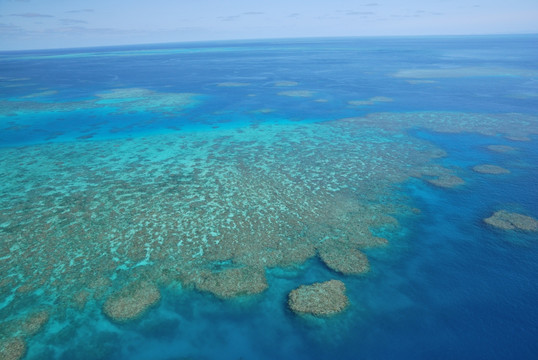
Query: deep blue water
{"points": [[447, 286], [340, 70]]}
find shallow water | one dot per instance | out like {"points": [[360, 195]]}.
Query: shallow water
{"points": [[228, 174]]}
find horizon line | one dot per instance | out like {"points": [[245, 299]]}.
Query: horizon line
{"points": [[237, 40]]}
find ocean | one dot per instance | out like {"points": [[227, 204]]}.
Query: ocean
{"points": [[170, 201]]}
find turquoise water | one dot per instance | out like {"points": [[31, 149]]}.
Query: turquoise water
{"points": [[221, 176]]}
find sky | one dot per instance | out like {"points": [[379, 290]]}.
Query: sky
{"points": [[42, 24]]}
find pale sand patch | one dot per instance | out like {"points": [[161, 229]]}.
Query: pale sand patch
{"points": [[264, 111], [286, 83], [41, 94], [232, 84], [518, 138], [370, 101], [297, 93]]}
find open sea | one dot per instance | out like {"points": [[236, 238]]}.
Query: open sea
{"points": [[165, 201]]}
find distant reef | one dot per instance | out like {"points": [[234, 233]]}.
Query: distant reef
{"points": [[505, 220], [501, 148], [490, 169]]}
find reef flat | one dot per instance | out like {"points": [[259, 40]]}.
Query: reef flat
{"points": [[124, 100], [209, 211], [202, 209]]}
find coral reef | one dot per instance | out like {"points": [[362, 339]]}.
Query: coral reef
{"points": [[14, 332], [297, 93], [462, 72], [231, 282], [232, 84], [348, 261], [319, 299], [132, 301], [209, 210], [34, 323], [506, 220], [130, 100], [501, 148], [512, 126], [286, 83], [12, 349], [447, 181], [371, 101], [490, 169]]}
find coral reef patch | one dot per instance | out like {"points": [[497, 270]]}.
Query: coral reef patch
{"points": [[506, 220], [490, 169], [132, 301], [319, 299], [12, 349], [14, 333], [371, 101], [501, 148], [232, 84], [345, 260], [127, 100], [229, 282], [286, 83], [297, 93]]}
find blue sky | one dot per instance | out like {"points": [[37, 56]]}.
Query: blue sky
{"points": [[32, 24]]}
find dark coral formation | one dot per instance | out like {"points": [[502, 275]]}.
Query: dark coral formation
{"points": [[513, 126], [345, 260], [447, 181], [501, 148], [14, 332], [490, 169], [34, 323], [232, 282], [506, 220], [319, 299], [12, 349], [132, 301]]}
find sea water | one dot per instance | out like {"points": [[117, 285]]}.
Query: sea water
{"points": [[227, 174]]}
